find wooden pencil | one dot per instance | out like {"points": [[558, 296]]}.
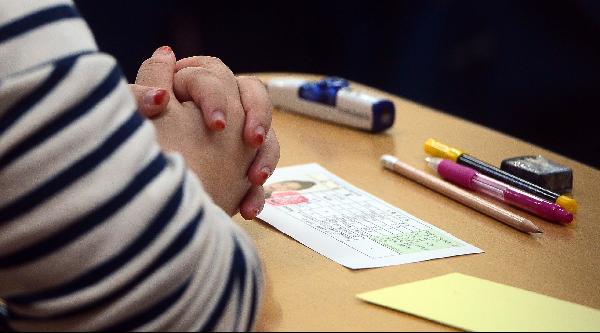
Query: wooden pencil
{"points": [[456, 193]]}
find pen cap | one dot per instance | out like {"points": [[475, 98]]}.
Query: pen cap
{"points": [[567, 203], [438, 149]]}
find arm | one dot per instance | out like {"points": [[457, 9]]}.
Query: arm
{"points": [[98, 228]]}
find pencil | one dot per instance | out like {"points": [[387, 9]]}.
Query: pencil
{"points": [[464, 197]]}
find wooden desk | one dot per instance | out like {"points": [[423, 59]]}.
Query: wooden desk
{"points": [[311, 292]]}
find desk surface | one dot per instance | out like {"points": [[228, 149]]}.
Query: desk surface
{"points": [[310, 292]]}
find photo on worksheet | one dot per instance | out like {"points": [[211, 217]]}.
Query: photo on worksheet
{"points": [[289, 191]]}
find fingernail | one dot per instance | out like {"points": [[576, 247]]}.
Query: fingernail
{"points": [[259, 135], [218, 119], [264, 174], [163, 50], [155, 97]]}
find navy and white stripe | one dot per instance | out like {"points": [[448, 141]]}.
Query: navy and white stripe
{"points": [[100, 230], [36, 19]]}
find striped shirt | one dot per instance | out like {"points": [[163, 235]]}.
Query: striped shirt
{"points": [[99, 229]]}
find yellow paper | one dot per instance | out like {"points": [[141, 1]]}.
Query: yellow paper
{"points": [[474, 304]]}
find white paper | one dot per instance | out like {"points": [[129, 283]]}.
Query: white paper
{"points": [[348, 225]]}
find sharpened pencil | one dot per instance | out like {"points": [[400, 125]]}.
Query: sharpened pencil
{"points": [[466, 198]]}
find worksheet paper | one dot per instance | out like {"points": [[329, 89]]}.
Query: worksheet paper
{"points": [[348, 225]]}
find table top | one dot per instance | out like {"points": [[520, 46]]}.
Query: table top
{"points": [[307, 291]]}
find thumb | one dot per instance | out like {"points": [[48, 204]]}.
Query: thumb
{"points": [[152, 102], [158, 70]]}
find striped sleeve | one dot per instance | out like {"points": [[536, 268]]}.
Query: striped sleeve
{"points": [[100, 229]]}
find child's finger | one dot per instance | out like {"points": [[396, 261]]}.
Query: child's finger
{"points": [[253, 203], [265, 161], [206, 90], [152, 102], [158, 70], [258, 108], [214, 65]]}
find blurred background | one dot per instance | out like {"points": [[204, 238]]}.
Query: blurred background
{"points": [[530, 69]]}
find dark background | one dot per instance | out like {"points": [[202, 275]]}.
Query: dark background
{"points": [[530, 69]]}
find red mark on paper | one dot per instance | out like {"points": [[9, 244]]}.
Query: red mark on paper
{"points": [[286, 198]]}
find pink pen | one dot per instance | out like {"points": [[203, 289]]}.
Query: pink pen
{"points": [[473, 180]]}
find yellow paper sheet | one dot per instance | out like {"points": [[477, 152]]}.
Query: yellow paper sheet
{"points": [[475, 304]]}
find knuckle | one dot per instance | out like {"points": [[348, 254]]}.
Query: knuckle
{"points": [[219, 66], [276, 149], [269, 106], [207, 77], [197, 78], [153, 62], [149, 67], [193, 72], [251, 78], [257, 100], [214, 61], [277, 155], [252, 81]]}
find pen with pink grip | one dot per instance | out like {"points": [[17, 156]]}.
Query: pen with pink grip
{"points": [[471, 179]]}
